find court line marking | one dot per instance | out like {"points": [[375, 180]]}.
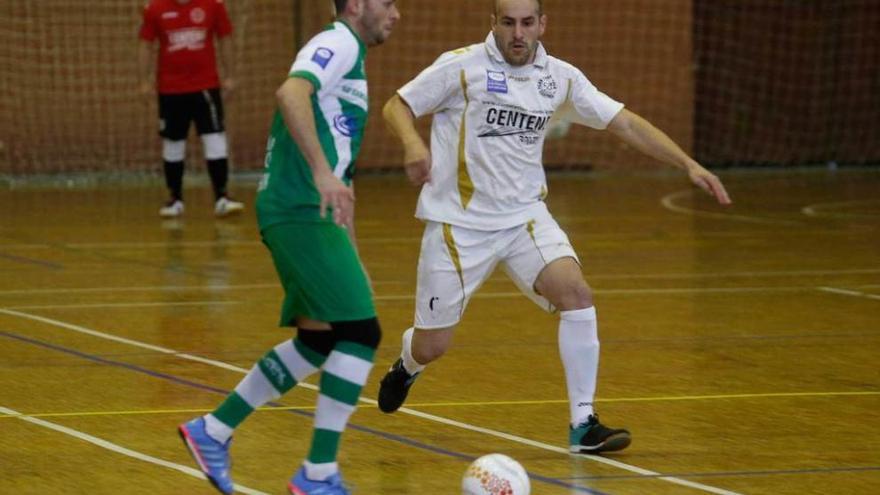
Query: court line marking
{"points": [[749, 274], [100, 442], [145, 288], [185, 244], [668, 202], [404, 410], [553, 448], [351, 426], [594, 236], [716, 474], [125, 305], [274, 285], [31, 261], [410, 296], [847, 292], [151, 412], [624, 292], [815, 210], [123, 340], [654, 399], [478, 403]]}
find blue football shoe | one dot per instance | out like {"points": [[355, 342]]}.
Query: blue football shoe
{"points": [[211, 455], [300, 485]]}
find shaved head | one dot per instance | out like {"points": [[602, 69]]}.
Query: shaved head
{"points": [[540, 3]]}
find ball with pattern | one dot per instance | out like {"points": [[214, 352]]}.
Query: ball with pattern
{"points": [[495, 474]]}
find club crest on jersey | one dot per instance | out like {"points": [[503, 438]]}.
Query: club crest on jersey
{"points": [[496, 81], [322, 56], [197, 15], [547, 86], [345, 124]]}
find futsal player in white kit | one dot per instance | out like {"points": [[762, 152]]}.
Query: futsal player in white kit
{"points": [[482, 198]]}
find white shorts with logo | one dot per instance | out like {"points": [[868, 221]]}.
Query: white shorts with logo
{"points": [[455, 261]]}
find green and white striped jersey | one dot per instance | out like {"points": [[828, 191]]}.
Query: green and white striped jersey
{"points": [[334, 63]]}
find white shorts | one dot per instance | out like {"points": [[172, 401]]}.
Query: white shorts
{"points": [[455, 261]]}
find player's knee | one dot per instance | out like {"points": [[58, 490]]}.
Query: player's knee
{"points": [[582, 294], [575, 295], [173, 151], [215, 145], [364, 332], [320, 341]]}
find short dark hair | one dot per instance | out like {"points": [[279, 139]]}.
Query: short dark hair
{"points": [[540, 6], [340, 6]]}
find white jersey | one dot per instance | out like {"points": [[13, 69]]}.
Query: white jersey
{"points": [[487, 137]]}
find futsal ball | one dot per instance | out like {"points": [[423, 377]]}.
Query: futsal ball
{"points": [[495, 474]]}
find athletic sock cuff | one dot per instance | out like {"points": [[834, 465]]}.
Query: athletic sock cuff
{"points": [[579, 314]]}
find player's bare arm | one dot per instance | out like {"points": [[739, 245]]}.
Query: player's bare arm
{"points": [[642, 135], [416, 156], [294, 101], [146, 64], [227, 60]]}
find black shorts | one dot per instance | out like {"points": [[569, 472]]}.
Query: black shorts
{"points": [[176, 111]]}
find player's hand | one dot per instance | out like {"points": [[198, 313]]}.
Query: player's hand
{"points": [[228, 85], [417, 163], [708, 182], [335, 195]]}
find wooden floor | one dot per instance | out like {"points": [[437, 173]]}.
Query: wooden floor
{"points": [[740, 346]]}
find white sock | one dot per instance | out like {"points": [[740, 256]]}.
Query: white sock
{"points": [[409, 363], [216, 429], [320, 472], [579, 349]]}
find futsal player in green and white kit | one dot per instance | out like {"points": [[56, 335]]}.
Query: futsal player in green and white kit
{"points": [[305, 209]]}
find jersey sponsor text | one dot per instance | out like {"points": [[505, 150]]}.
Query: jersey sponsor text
{"points": [[187, 39]]}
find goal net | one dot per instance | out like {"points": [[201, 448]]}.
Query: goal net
{"points": [[733, 81]]}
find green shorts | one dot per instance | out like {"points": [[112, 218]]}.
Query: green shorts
{"points": [[320, 271]]}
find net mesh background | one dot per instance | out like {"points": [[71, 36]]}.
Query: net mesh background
{"points": [[733, 81]]}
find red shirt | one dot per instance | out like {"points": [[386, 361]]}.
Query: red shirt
{"points": [[187, 62]]}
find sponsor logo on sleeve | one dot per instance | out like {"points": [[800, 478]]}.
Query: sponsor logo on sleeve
{"points": [[347, 125], [322, 56], [496, 81]]}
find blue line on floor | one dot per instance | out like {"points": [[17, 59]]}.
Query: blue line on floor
{"points": [[208, 388], [721, 474], [31, 261]]}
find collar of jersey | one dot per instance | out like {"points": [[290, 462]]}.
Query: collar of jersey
{"points": [[361, 44], [495, 53]]}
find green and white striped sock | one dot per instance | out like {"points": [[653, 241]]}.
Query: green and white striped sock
{"points": [[344, 374], [289, 363]]}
